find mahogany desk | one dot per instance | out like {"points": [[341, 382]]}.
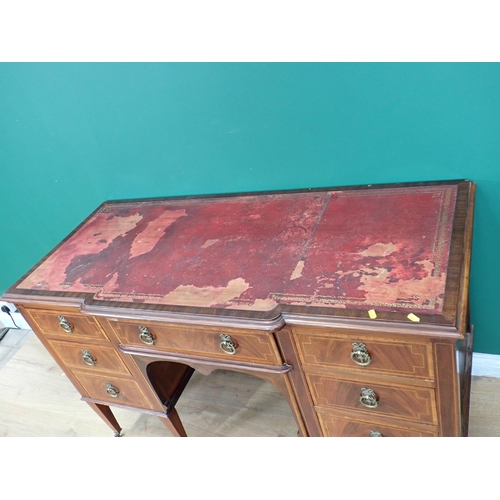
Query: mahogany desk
{"points": [[352, 301]]}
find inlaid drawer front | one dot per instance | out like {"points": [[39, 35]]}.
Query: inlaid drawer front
{"points": [[406, 402], [113, 389], [242, 345], [334, 426], [412, 360], [67, 325], [90, 357]]}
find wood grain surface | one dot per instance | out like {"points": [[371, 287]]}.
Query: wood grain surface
{"points": [[36, 399]]}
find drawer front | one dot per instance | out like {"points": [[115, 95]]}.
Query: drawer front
{"points": [[412, 360], [93, 358], [113, 389], [340, 427], [241, 345], [68, 325], [404, 402]]}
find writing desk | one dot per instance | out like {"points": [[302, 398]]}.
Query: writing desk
{"points": [[352, 301]]}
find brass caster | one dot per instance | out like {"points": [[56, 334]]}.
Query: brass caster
{"points": [[118, 434]]}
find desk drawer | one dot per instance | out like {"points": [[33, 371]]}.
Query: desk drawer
{"points": [[357, 352], [113, 389], [334, 426], [238, 344], [93, 358], [405, 402], [65, 324]]}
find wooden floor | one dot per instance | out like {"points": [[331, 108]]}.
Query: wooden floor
{"points": [[36, 399]]}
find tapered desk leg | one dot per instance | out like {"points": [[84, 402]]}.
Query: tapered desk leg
{"points": [[173, 423], [107, 415]]}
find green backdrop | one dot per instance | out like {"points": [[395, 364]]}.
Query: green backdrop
{"points": [[74, 135]]}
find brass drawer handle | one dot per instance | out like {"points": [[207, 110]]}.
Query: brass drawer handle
{"points": [[64, 324], [112, 390], [146, 336], [376, 434], [360, 354], [227, 344], [368, 398], [88, 358]]}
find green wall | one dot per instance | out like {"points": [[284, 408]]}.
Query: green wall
{"points": [[74, 135]]}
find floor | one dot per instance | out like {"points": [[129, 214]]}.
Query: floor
{"points": [[11, 343], [36, 399]]}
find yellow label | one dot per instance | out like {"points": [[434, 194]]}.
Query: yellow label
{"points": [[413, 317], [372, 313]]}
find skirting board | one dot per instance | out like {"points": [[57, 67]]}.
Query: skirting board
{"points": [[485, 365]]}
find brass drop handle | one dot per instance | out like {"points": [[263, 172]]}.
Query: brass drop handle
{"points": [[376, 434], [88, 358], [146, 336], [64, 324], [360, 354], [112, 390], [368, 398], [227, 344]]}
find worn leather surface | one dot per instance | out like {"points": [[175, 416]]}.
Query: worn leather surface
{"points": [[385, 248]]}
